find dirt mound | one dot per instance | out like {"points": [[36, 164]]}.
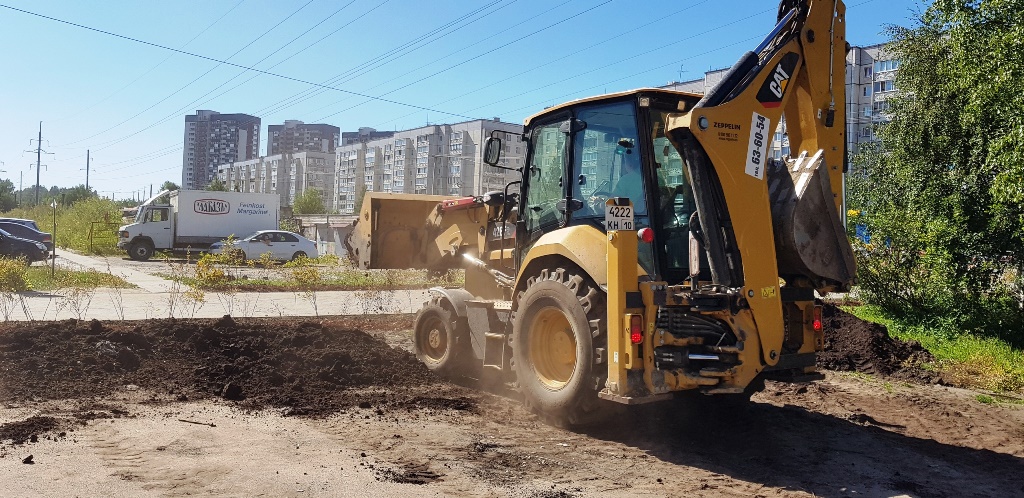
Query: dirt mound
{"points": [[28, 429], [855, 345], [309, 367]]}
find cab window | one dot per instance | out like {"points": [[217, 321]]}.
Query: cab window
{"points": [[675, 200], [157, 215], [607, 159], [545, 177]]}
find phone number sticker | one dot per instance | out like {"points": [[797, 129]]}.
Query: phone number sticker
{"points": [[618, 217], [757, 147]]}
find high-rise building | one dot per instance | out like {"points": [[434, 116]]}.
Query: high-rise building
{"points": [[212, 138], [288, 175], [296, 136], [365, 134], [870, 81], [445, 159]]}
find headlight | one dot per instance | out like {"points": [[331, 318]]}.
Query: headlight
{"points": [[40, 246], [124, 234]]}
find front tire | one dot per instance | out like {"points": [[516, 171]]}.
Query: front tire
{"points": [[140, 251], [441, 340], [556, 333]]}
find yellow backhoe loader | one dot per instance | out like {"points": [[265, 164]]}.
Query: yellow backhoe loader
{"points": [[651, 245]]}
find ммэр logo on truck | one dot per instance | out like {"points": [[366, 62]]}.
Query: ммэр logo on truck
{"points": [[211, 206]]}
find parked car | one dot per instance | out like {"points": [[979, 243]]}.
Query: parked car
{"points": [[282, 246], [17, 247], [21, 221], [27, 232]]}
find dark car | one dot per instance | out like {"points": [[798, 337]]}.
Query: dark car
{"points": [[17, 247], [29, 223], [27, 232]]}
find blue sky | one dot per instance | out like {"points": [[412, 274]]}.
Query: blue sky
{"points": [[126, 101]]}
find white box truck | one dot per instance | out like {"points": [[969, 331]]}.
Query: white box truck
{"points": [[194, 219]]}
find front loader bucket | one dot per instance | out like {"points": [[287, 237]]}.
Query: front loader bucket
{"points": [[391, 231], [810, 240]]}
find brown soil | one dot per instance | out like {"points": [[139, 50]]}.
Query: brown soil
{"points": [[304, 366], [158, 407], [853, 345]]}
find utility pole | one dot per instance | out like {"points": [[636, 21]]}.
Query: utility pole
{"points": [[86, 170], [39, 153]]}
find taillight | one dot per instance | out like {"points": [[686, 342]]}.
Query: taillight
{"points": [[124, 234], [46, 238], [816, 321], [646, 235], [636, 329]]}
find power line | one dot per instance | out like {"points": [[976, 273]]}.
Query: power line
{"points": [[232, 64], [389, 56], [201, 76], [469, 45], [633, 57], [535, 68], [177, 113], [158, 64]]}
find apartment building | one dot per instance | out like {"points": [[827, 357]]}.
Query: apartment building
{"points": [[287, 175], [443, 159], [870, 81], [365, 134], [212, 138], [295, 136]]}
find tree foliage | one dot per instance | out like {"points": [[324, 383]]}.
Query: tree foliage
{"points": [[169, 185], [309, 202], [217, 185], [943, 195]]}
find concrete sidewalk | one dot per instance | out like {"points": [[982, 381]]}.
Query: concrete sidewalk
{"points": [[157, 297], [143, 280]]}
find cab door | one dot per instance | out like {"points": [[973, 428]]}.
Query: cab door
{"points": [[160, 227], [543, 207]]}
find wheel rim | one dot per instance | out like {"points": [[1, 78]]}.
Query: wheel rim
{"points": [[552, 345], [434, 340]]}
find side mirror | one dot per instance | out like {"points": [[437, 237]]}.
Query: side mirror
{"points": [[492, 151]]}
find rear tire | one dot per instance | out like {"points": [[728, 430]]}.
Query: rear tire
{"points": [[298, 254], [140, 251], [441, 340], [556, 331]]}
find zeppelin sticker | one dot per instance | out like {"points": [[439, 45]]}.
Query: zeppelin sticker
{"points": [[757, 147], [211, 206]]}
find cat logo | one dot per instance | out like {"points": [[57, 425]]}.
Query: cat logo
{"points": [[774, 87]]}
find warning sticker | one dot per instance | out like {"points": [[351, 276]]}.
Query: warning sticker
{"points": [[757, 147]]}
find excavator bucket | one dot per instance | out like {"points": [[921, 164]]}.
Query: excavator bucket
{"points": [[391, 233], [810, 239]]}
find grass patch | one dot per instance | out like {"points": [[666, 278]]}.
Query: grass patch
{"points": [[963, 359], [74, 223], [329, 279], [39, 278]]}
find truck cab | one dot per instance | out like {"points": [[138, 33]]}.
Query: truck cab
{"points": [[152, 230]]}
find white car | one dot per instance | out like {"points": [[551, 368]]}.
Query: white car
{"points": [[283, 246]]}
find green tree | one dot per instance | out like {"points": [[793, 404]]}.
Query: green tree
{"points": [[8, 199], [944, 196], [169, 185], [309, 202], [217, 185], [69, 196]]}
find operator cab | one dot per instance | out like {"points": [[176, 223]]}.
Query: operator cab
{"points": [[584, 152]]}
